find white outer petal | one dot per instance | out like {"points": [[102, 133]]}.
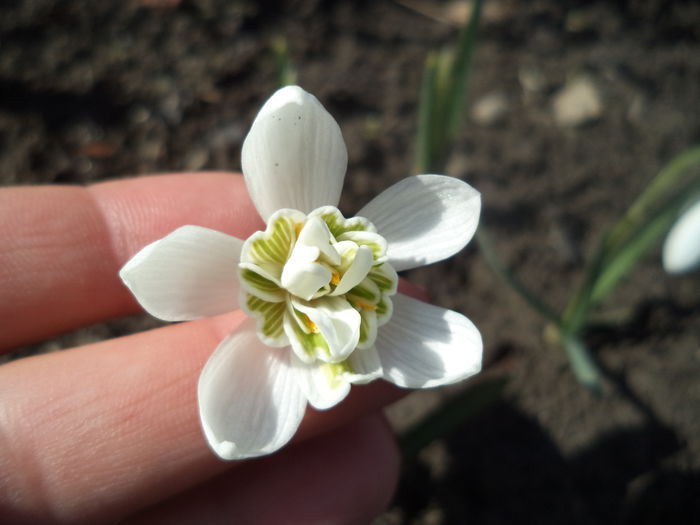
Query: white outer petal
{"points": [[424, 219], [249, 401], [188, 274], [424, 345], [294, 155], [366, 366], [681, 251], [314, 383]]}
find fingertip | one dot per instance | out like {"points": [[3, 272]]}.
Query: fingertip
{"points": [[384, 462]]}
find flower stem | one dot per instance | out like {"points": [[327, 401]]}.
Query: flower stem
{"points": [[582, 363], [492, 260]]}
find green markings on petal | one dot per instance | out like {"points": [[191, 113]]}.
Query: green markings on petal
{"points": [[368, 328], [365, 295], [338, 225], [385, 277], [304, 336], [353, 257], [364, 329], [333, 372], [270, 249], [259, 281], [375, 241], [313, 344], [384, 310], [259, 285], [371, 298], [347, 251], [270, 319]]}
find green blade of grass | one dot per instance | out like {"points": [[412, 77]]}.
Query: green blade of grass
{"points": [[461, 67], [674, 176], [284, 70], [644, 239], [442, 98]]}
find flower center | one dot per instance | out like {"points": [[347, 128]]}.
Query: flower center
{"points": [[319, 283], [320, 265]]}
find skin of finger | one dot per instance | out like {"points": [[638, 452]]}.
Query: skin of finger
{"points": [[97, 432], [63, 246], [344, 477]]}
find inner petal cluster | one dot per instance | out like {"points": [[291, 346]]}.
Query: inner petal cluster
{"points": [[319, 283]]}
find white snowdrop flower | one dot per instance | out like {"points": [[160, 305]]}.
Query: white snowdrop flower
{"points": [[681, 250], [319, 288]]}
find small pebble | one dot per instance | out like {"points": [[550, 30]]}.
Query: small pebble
{"points": [[490, 109], [578, 103]]}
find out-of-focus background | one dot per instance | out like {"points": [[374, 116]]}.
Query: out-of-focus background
{"points": [[573, 107]]}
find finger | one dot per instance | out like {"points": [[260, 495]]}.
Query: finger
{"points": [[105, 429], [63, 246], [345, 476]]}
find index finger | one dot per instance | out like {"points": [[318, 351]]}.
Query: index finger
{"points": [[64, 245]]}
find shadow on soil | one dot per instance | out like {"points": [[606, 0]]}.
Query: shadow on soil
{"points": [[504, 468]]}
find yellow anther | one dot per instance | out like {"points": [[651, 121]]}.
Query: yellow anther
{"points": [[365, 306], [310, 324], [297, 227], [335, 277]]}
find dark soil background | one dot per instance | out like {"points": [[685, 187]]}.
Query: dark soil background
{"points": [[574, 106]]}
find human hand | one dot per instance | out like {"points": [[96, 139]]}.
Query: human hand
{"points": [[110, 431]]}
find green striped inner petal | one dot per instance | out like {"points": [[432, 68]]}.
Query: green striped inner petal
{"points": [[270, 249], [368, 328], [366, 293], [260, 285], [270, 319], [384, 310], [334, 371], [375, 241], [385, 277], [311, 343], [338, 225]]}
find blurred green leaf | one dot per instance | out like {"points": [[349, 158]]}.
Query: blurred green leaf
{"points": [[426, 115], [646, 221], [637, 246], [671, 181], [284, 70], [460, 68], [442, 98]]}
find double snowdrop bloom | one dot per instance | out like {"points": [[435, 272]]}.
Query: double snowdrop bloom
{"points": [[320, 289], [681, 250]]}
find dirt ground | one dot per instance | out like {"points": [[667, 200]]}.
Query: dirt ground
{"points": [[573, 107]]}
